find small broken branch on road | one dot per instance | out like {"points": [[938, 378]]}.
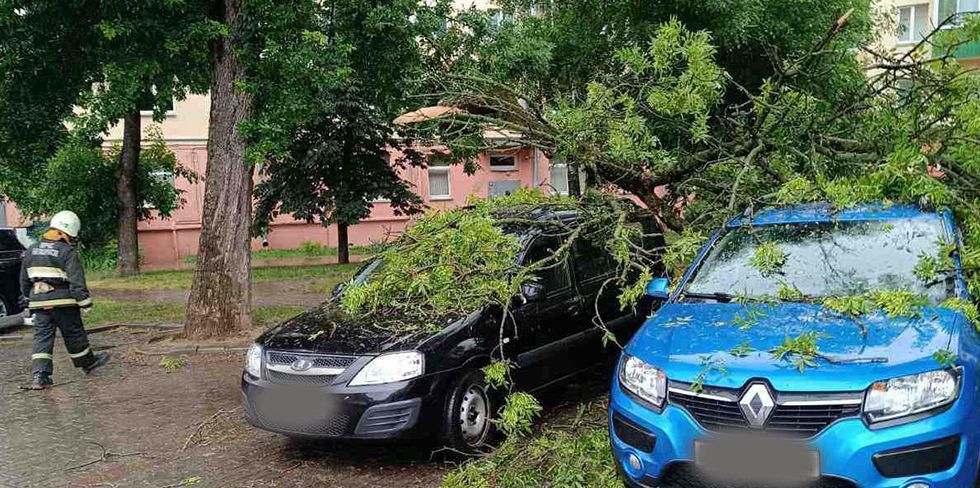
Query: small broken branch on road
{"points": [[105, 456], [201, 426]]}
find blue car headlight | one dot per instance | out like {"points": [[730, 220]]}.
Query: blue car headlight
{"points": [[908, 396], [644, 381]]}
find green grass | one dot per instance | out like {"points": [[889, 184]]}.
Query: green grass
{"points": [[147, 312], [133, 312], [308, 251], [321, 277]]}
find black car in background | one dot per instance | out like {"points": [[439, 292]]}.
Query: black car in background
{"points": [[11, 255], [355, 383]]}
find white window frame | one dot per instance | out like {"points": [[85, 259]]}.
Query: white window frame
{"points": [[911, 30], [446, 170], [512, 167], [379, 200], [954, 24], [169, 113], [552, 165]]}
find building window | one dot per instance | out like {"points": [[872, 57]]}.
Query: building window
{"points": [[147, 103], [439, 182], [948, 8], [380, 199], [913, 23], [166, 177], [502, 162], [558, 177]]}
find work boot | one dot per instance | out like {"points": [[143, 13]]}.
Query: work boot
{"points": [[100, 360], [41, 381]]}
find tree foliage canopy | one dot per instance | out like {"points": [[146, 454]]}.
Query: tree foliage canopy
{"points": [[92, 168], [331, 159]]}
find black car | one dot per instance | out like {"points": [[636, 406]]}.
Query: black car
{"points": [[357, 383], [11, 255]]}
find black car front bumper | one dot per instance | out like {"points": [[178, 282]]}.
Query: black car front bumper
{"points": [[410, 409]]}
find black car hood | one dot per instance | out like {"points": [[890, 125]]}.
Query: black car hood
{"points": [[328, 329]]}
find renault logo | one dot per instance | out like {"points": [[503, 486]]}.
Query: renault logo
{"points": [[301, 365], [757, 404]]}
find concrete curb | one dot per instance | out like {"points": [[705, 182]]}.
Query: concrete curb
{"points": [[193, 350], [103, 328]]}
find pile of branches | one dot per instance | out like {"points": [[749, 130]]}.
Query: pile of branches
{"points": [[451, 263]]}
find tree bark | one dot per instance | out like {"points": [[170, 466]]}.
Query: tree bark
{"points": [[127, 258], [343, 244], [220, 300]]}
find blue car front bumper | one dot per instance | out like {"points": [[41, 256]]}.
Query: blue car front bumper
{"points": [[847, 447]]}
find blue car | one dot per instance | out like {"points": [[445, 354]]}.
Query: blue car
{"points": [[706, 393]]}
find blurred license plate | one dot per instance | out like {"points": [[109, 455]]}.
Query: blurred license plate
{"points": [[756, 460], [288, 403]]}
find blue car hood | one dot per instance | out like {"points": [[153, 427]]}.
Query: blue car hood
{"points": [[682, 337]]}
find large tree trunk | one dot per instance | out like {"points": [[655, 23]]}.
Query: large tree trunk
{"points": [[220, 301], [343, 244], [127, 259]]}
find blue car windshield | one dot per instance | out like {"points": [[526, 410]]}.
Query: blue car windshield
{"points": [[825, 259]]}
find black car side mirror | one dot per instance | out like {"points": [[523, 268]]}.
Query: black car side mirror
{"points": [[532, 292]]}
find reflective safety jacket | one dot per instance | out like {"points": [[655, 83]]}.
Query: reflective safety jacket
{"points": [[52, 276]]}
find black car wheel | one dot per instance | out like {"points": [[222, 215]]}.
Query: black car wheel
{"points": [[468, 416]]}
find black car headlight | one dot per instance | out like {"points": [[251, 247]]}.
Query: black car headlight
{"points": [[644, 381], [391, 368], [912, 395]]}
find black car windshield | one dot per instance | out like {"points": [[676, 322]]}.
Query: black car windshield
{"points": [[825, 259]]}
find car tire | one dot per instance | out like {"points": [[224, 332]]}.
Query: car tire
{"points": [[9, 321], [468, 416]]}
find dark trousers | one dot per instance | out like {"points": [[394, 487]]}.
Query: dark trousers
{"points": [[69, 321]]}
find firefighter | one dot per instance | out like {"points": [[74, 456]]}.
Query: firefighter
{"points": [[53, 279]]}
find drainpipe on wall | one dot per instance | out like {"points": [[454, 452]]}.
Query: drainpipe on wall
{"points": [[537, 164], [265, 234]]}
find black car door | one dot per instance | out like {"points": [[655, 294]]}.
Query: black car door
{"points": [[11, 254], [595, 272], [539, 324]]}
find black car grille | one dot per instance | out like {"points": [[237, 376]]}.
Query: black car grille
{"points": [[712, 414], [319, 361], [808, 420], [334, 426], [720, 411], [299, 379], [281, 359]]}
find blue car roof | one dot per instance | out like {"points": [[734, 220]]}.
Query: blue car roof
{"points": [[824, 212]]}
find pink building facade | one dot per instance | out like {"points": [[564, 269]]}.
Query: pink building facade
{"points": [[166, 242]]}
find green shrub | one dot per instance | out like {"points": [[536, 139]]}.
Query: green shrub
{"points": [[99, 258], [313, 248]]}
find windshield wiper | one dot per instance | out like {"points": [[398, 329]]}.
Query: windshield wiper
{"points": [[717, 296]]}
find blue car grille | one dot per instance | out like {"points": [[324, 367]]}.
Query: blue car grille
{"points": [[719, 410]]}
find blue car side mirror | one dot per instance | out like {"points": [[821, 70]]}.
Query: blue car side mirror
{"points": [[659, 288]]}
